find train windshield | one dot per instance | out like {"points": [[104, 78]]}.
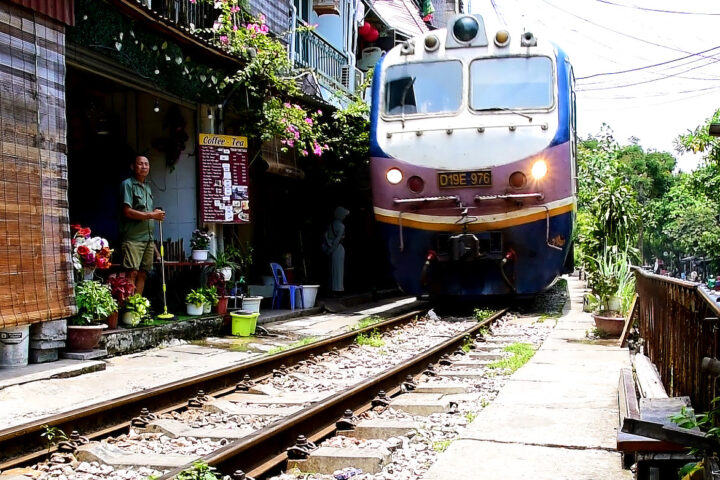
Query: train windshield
{"points": [[511, 83], [434, 87]]}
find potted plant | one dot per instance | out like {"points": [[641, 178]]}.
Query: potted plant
{"points": [[121, 288], [137, 308], [612, 282], [217, 281], [199, 243], [89, 253], [211, 298], [224, 264], [95, 303], [194, 302], [242, 256]]}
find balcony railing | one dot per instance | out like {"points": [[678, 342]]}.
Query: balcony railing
{"points": [[185, 13], [314, 52]]}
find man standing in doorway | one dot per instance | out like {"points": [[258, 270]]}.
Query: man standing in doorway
{"points": [[137, 226]]}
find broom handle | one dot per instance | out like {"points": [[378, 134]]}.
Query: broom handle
{"points": [[162, 266]]}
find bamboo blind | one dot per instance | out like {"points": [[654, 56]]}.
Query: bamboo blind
{"points": [[35, 271]]}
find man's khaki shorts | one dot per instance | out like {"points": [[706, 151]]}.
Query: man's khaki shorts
{"points": [[138, 255]]}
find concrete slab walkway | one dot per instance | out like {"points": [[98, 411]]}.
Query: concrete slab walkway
{"points": [[556, 418]]}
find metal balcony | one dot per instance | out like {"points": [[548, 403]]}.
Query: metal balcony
{"points": [[315, 53]]}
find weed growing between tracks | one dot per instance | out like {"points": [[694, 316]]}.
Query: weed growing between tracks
{"points": [[372, 339], [199, 471], [441, 445], [521, 354], [483, 314], [299, 343], [366, 322]]}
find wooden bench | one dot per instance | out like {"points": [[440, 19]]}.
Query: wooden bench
{"points": [[641, 396]]}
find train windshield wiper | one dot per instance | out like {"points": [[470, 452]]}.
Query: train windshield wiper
{"points": [[402, 99], [503, 109]]}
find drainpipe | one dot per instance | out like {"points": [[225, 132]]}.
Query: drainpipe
{"points": [[351, 42], [293, 26]]}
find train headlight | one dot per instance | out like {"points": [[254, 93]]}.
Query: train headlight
{"points": [[432, 43], [502, 38], [517, 180], [394, 176], [466, 28], [539, 169]]}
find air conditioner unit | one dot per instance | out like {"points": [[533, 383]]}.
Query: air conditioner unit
{"points": [[345, 75]]}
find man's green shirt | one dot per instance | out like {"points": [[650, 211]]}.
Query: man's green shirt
{"points": [[139, 197]]}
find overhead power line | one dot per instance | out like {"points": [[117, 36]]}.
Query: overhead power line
{"points": [[615, 31], [648, 66], [580, 89], [658, 10], [661, 94]]}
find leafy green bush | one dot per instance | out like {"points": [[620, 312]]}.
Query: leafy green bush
{"points": [[94, 301]]}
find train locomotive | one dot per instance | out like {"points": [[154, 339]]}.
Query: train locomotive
{"points": [[473, 161]]}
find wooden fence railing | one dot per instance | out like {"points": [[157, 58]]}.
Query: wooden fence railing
{"points": [[679, 321]]}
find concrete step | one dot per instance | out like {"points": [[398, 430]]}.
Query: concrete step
{"points": [[421, 403], [325, 460], [110, 455]]}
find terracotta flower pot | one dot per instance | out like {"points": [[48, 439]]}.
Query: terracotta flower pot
{"points": [[112, 320], [611, 325], [221, 307], [83, 338]]}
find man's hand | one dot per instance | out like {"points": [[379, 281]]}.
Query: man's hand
{"points": [[158, 214]]}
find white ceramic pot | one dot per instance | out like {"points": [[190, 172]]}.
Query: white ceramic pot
{"points": [[193, 309], [207, 308], [226, 273], [199, 255], [251, 304], [309, 295], [130, 319], [614, 303]]}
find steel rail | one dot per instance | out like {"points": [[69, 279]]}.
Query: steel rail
{"points": [[264, 450], [22, 444]]}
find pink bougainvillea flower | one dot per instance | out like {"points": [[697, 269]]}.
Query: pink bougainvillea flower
{"points": [[193, 1], [286, 105], [317, 149], [309, 121], [234, 9], [261, 18], [264, 29], [290, 143], [319, 112], [224, 39], [304, 153]]}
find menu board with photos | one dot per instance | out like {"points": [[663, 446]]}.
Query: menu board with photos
{"points": [[224, 179]]}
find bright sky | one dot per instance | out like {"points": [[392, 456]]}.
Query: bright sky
{"points": [[600, 36]]}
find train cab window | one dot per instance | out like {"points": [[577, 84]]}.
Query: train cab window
{"points": [[522, 83], [423, 88]]}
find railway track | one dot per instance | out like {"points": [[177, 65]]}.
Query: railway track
{"points": [[264, 450]]}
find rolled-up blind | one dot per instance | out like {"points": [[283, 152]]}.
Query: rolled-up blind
{"points": [[35, 267]]}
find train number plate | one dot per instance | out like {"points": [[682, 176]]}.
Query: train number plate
{"points": [[476, 178]]}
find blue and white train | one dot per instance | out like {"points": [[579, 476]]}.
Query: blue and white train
{"points": [[473, 146]]}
